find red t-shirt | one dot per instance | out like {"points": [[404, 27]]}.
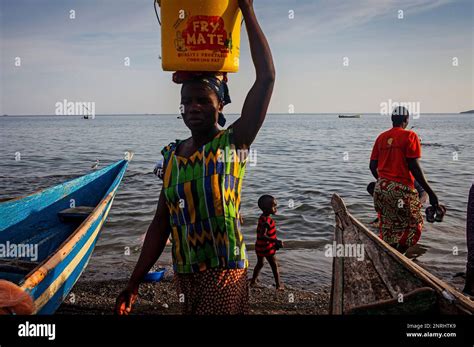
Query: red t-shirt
{"points": [[391, 149], [266, 225]]}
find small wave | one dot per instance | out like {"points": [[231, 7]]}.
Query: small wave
{"points": [[296, 244], [432, 144], [41, 178], [435, 144], [134, 174]]}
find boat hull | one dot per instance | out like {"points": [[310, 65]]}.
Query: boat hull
{"points": [[50, 283], [55, 287], [382, 280]]}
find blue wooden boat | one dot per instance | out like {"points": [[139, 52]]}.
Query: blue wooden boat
{"points": [[63, 224]]}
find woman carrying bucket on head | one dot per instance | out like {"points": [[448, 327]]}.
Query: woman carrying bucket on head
{"points": [[199, 204]]}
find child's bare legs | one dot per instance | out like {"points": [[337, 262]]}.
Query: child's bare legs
{"points": [[274, 264], [256, 271]]}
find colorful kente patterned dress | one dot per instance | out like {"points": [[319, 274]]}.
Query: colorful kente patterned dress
{"points": [[399, 211], [203, 197]]}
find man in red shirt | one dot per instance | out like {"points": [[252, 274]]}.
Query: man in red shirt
{"points": [[394, 163]]}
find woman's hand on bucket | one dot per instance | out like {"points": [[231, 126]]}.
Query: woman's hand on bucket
{"points": [[125, 300]]}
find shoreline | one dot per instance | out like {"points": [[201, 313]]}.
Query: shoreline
{"points": [[90, 297]]}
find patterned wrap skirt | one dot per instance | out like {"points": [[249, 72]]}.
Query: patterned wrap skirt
{"points": [[215, 291], [399, 211]]}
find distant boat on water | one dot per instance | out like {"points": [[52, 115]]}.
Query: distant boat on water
{"points": [[349, 116]]}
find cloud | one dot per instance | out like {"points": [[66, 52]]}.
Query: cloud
{"points": [[83, 58], [328, 17]]}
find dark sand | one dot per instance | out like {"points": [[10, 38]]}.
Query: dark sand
{"points": [[98, 297]]}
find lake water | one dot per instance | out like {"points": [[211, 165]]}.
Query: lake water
{"points": [[301, 160]]}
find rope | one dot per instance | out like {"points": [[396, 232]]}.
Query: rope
{"points": [[156, 10]]}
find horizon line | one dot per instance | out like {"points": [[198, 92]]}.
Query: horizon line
{"points": [[229, 114]]}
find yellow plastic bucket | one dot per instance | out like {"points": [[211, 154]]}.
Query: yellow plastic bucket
{"points": [[200, 35]]}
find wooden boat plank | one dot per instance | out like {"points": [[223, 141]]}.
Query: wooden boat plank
{"points": [[17, 265], [364, 279], [336, 306], [75, 214], [397, 278], [419, 301]]}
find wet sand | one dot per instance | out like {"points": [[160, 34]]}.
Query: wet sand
{"points": [[98, 298]]}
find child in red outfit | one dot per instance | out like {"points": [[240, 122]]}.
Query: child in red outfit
{"points": [[267, 243]]}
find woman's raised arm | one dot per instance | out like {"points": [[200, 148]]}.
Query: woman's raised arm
{"points": [[257, 100]]}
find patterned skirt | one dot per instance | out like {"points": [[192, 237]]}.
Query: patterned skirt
{"points": [[213, 292], [399, 210]]}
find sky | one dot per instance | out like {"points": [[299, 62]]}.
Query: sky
{"points": [[82, 59]]}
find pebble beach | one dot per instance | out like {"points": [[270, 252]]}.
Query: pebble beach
{"points": [[90, 297]]}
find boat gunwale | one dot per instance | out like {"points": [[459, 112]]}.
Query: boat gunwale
{"points": [[128, 157], [41, 190], [76, 183]]}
